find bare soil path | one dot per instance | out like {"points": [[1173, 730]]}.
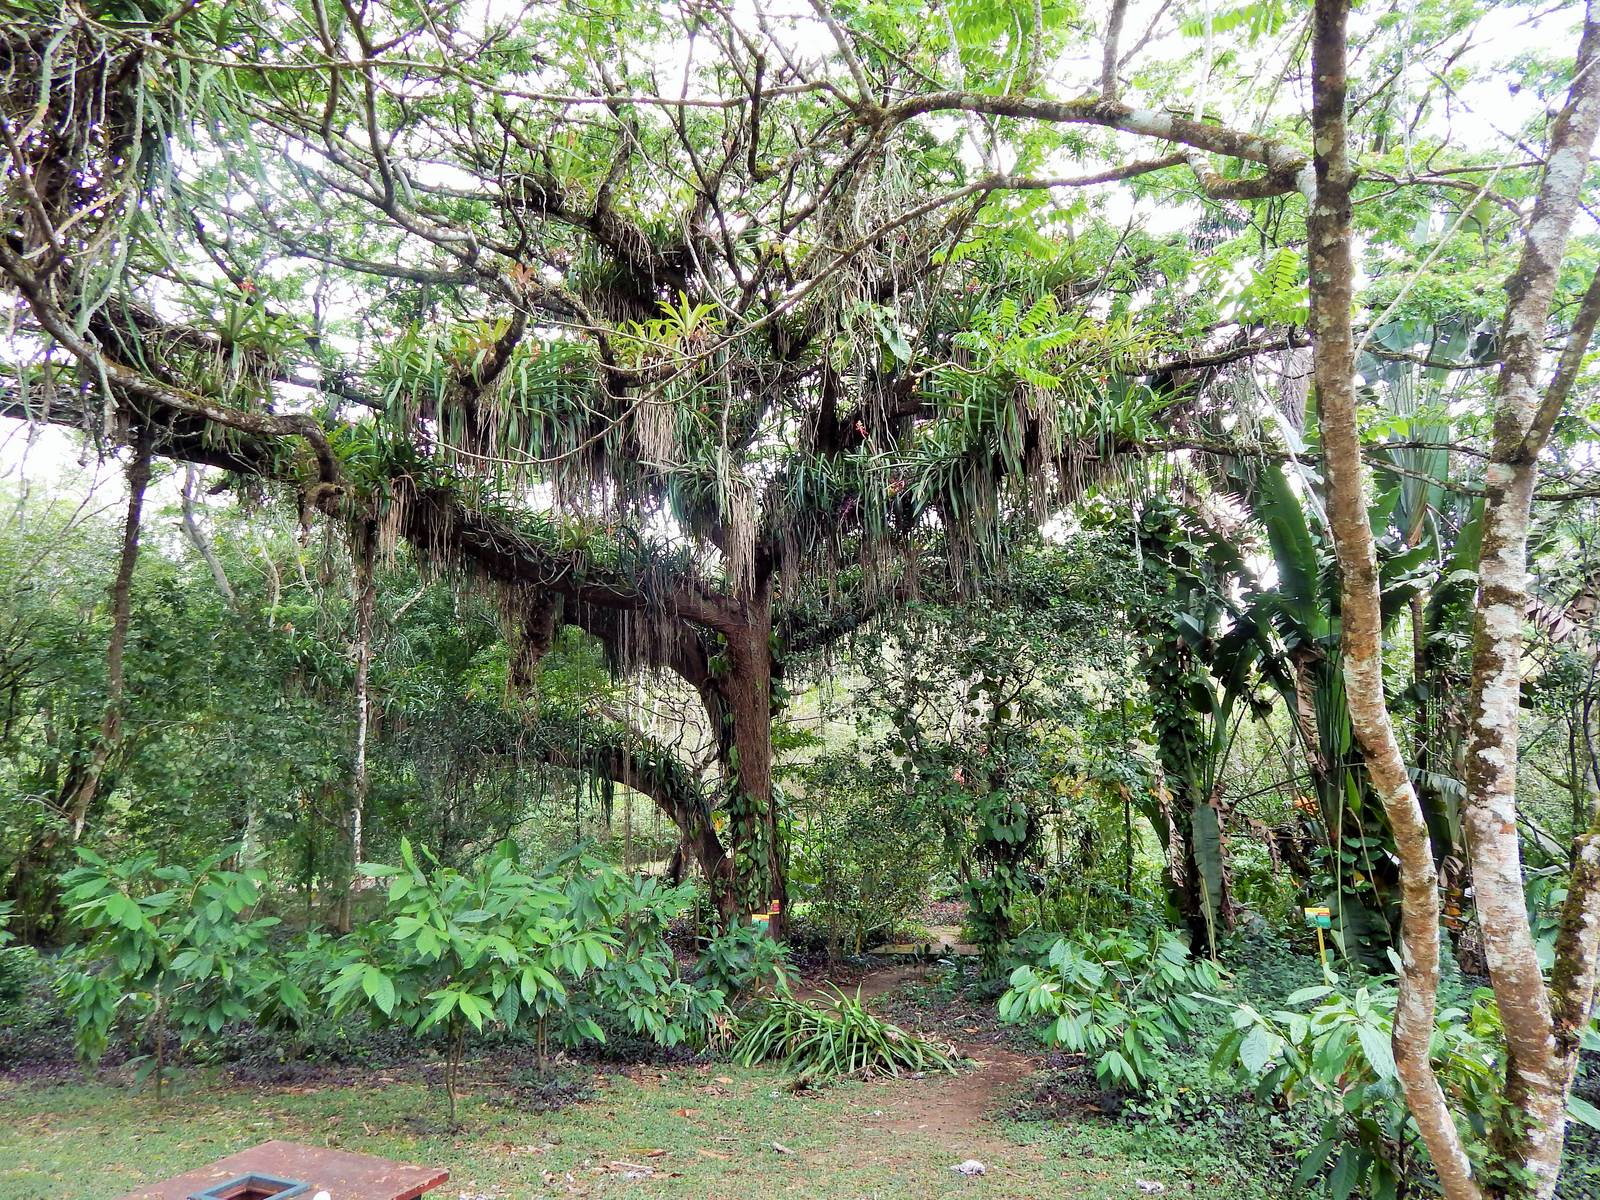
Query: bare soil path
{"points": [[952, 1109]]}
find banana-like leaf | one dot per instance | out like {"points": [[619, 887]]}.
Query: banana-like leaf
{"points": [[1206, 835]]}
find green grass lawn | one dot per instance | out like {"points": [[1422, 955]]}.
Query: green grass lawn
{"points": [[703, 1132]]}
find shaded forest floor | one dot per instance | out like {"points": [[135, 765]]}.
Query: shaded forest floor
{"points": [[686, 1130]]}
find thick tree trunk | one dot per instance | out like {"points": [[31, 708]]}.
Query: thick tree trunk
{"points": [[1184, 883], [1330, 255], [717, 866], [746, 750], [1539, 1066], [1203, 900], [83, 796]]}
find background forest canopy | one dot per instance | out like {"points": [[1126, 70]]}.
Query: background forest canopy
{"points": [[1117, 466]]}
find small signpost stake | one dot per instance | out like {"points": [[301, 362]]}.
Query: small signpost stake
{"points": [[1320, 917], [763, 920]]}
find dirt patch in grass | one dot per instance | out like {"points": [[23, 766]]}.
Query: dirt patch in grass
{"points": [[948, 1108], [953, 1107], [873, 980]]}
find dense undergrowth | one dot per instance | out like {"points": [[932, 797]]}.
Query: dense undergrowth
{"points": [[1181, 1115]]}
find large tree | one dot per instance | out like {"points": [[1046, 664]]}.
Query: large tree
{"points": [[712, 332], [703, 364], [1544, 1019]]}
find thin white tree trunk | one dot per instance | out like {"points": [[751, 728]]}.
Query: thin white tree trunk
{"points": [[366, 595], [1538, 1073], [1331, 260], [199, 540]]}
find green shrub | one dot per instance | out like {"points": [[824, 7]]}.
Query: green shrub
{"points": [[864, 846], [18, 969], [831, 1040], [553, 955], [461, 951], [1120, 999], [1329, 1050], [30, 1008], [28, 1001], [741, 959], [639, 989], [175, 950]]}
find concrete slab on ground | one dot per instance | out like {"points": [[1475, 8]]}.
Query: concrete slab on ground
{"points": [[338, 1172]]}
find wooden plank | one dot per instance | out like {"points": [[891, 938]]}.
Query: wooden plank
{"points": [[342, 1174]]}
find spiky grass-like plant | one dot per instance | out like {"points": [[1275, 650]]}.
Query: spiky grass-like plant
{"points": [[833, 1039]]}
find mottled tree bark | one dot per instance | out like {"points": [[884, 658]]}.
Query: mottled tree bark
{"points": [[1331, 259], [1538, 1069]]}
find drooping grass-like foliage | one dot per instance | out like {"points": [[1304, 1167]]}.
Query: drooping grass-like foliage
{"points": [[833, 1039]]}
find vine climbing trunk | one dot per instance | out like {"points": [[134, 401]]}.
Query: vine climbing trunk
{"points": [[745, 689], [1197, 874], [1330, 254], [1190, 821], [88, 787]]}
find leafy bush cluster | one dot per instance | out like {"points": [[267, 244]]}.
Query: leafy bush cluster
{"points": [[742, 960], [1121, 999], [1300, 1071], [28, 1005], [181, 954], [1327, 1050], [864, 849], [178, 954]]}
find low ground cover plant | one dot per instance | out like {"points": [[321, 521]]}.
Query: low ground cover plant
{"points": [[832, 1038]]}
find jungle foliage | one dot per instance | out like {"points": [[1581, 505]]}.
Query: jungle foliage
{"points": [[726, 477]]}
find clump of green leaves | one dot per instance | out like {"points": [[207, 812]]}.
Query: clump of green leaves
{"points": [[464, 950], [639, 988], [744, 958], [28, 999], [1120, 999], [834, 1039], [175, 950], [864, 847], [556, 955], [1329, 1049]]}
